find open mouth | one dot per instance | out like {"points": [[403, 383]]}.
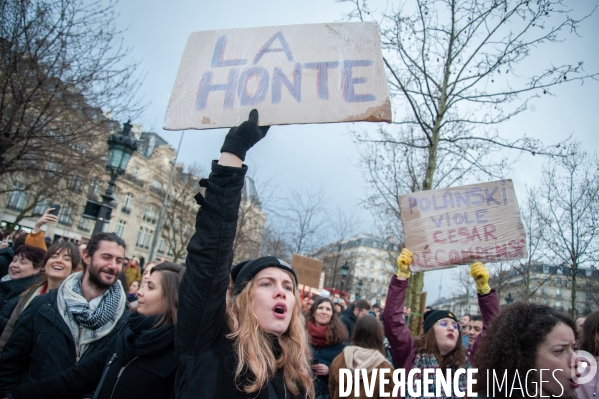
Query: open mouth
{"points": [[58, 268], [450, 336], [280, 309]]}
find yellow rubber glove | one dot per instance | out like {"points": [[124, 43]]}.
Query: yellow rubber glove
{"points": [[481, 277], [404, 260]]}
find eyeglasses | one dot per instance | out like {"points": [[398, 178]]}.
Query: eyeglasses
{"points": [[454, 325]]}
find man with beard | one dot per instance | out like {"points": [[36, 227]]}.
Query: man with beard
{"points": [[81, 317]]}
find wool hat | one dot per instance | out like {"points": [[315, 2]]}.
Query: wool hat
{"points": [[433, 316], [245, 271]]}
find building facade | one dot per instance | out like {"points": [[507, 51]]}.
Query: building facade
{"points": [[139, 195], [371, 261], [541, 284]]}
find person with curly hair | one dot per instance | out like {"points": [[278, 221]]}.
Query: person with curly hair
{"points": [[440, 347], [327, 338], [589, 342], [252, 344], [526, 338]]}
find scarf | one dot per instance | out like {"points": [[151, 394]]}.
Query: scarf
{"points": [[318, 334], [74, 309], [362, 358], [140, 338], [429, 361]]}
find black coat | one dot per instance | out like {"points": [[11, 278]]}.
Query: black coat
{"points": [[42, 345], [141, 365], [206, 357], [10, 293], [325, 355], [6, 255], [349, 319]]}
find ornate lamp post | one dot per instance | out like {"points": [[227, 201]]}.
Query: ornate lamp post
{"points": [[121, 146], [509, 299], [359, 289], [344, 271]]}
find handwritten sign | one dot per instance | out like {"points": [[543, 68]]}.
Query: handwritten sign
{"points": [[308, 270], [462, 225], [291, 74]]}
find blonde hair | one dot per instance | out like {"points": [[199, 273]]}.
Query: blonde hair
{"points": [[256, 360]]}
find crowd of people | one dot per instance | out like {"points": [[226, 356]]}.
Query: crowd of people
{"points": [[88, 322]]}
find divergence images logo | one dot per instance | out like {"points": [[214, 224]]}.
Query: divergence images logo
{"points": [[585, 361]]}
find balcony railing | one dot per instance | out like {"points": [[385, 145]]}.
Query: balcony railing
{"points": [[126, 210], [134, 180]]}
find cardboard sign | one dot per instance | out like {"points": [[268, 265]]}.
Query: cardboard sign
{"points": [[462, 225], [308, 270], [291, 74]]}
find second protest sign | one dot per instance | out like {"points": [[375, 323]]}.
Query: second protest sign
{"points": [[462, 225]]}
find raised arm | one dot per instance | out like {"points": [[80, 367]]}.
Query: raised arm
{"points": [[396, 330], [202, 295], [488, 302]]}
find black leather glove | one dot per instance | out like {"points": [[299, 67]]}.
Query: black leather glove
{"points": [[243, 137]]}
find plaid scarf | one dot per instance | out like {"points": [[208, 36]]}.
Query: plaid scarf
{"points": [[424, 361], [75, 311]]}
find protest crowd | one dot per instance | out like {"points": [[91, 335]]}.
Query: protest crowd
{"points": [[87, 322]]}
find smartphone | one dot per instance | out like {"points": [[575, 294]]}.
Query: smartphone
{"points": [[56, 209]]}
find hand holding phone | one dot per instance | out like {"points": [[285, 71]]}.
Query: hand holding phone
{"points": [[55, 209]]}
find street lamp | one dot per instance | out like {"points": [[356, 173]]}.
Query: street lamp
{"points": [[509, 299], [344, 271], [359, 289], [120, 146]]}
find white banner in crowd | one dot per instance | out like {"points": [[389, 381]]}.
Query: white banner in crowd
{"points": [[462, 225], [292, 74]]}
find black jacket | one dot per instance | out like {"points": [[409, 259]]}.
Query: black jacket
{"points": [[42, 345], [10, 293], [206, 357], [6, 255], [349, 319], [145, 355]]}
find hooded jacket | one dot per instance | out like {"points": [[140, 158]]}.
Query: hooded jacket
{"points": [[357, 358]]}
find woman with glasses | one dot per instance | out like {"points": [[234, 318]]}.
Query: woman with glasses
{"points": [[440, 347]]}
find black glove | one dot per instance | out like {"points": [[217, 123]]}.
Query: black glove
{"points": [[243, 137]]}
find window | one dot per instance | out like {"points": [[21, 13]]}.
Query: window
{"points": [[66, 216], [372, 264], [373, 254], [120, 228], [558, 292], [127, 204], [144, 236], [559, 270], [382, 266], [379, 291], [558, 304], [41, 207], [161, 246], [84, 224], [558, 281], [156, 184], [363, 252], [17, 198], [370, 276], [588, 272], [150, 214], [545, 269], [589, 296], [544, 290], [384, 256], [170, 251], [363, 262], [567, 284]]}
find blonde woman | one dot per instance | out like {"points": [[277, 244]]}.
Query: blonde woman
{"points": [[254, 344]]}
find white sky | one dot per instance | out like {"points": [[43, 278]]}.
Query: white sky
{"points": [[315, 156]]}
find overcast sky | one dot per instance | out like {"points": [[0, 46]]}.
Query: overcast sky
{"points": [[314, 156]]}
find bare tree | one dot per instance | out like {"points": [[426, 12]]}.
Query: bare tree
{"points": [[452, 68], [179, 217], [274, 244], [567, 201], [62, 76], [305, 223], [341, 226], [251, 220]]}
